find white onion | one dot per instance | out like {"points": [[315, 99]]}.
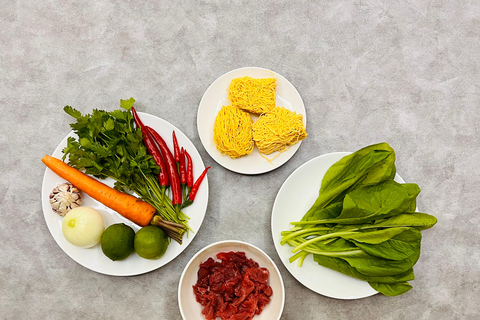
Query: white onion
{"points": [[83, 227]]}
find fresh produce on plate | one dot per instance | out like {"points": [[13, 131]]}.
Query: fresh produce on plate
{"points": [[171, 167], [192, 193], [105, 160], [109, 145], [117, 241], [363, 223], [117, 145], [235, 133], [150, 242], [233, 288], [64, 198], [83, 227], [127, 205]]}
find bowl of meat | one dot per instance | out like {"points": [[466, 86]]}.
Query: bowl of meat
{"points": [[231, 280]]}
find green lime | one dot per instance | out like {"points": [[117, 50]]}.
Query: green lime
{"points": [[151, 242], [117, 241]]}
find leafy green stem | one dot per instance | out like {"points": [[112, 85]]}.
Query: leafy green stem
{"points": [[319, 238], [310, 231]]}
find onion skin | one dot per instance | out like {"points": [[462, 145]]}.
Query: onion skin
{"points": [[83, 227]]}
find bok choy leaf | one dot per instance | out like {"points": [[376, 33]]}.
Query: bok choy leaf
{"points": [[363, 223]]}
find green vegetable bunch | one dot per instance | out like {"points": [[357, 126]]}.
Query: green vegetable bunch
{"points": [[363, 223], [110, 145]]}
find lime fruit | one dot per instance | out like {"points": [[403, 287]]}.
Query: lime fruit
{"points": [[150, 242], [117, 241]]}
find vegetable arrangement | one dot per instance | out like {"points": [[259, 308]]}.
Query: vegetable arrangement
{"points": [[83, 227], [125, 204], [117, 145], [65, 197], [363, 223]]}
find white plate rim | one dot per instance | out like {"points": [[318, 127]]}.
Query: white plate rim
{"points": [[179, 291], [236, 165], [199, 211], [296, 273]]}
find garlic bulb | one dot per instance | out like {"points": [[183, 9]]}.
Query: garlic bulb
{"points": [[64, 198], [83, 227]]}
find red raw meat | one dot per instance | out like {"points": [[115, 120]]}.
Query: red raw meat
{"points": [[241, 316], [228, 312], [209, 312], [258, 274], [234, 289], [263, 300], [243, 290]]}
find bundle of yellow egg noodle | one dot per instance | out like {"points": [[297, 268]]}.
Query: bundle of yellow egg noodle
{"points": [[253, 95], [277, 130], [232, 132]]}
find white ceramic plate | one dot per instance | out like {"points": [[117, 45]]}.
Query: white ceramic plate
{"points": [[192, 310], [296, 196], [93, 258], [216, 97]]}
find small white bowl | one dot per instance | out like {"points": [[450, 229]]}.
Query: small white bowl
{"points": [[192, 310]]}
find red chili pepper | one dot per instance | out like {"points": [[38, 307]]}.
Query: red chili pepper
{"points": [[171, 167], [183, 171], [153, 150], [138, 122], [189, 170], [183, 174], [193, 192], [176, 150]]}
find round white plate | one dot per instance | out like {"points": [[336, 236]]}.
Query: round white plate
{"points": [[192, 310], [93, 258], [294, 199], [216, 97]]}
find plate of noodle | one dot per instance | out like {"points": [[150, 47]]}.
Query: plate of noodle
{"points": [[251, 120]]}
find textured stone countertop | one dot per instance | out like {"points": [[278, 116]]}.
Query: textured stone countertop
{"points": [[404, 72]]}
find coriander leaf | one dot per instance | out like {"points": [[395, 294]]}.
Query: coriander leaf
{"points": [[73, 112], [109, 124], [118, 114], [127, 104], [85, 143]]}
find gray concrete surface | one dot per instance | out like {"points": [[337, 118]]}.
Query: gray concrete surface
{"points": [[401, 71]]}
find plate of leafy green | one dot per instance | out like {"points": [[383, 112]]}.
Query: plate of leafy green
{"points": [[93, 258], [357, 236]]}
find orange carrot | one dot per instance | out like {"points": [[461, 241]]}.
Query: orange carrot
{"points": [[128, 206]]}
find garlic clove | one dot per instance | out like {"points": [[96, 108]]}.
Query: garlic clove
{"points": [[64, 197]]}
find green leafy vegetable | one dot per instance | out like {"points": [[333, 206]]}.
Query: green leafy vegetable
{"points": [[109, 145], [127, 104], [417, 220], [391, 289], [367, 166], [363, 224]]}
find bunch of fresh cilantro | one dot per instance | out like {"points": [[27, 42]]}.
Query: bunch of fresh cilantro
{"points": [[109, 145]]}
